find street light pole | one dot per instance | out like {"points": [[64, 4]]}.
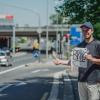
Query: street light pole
{"points": [[47, 34], [13, 48], [57, 23], [39, 33], [58, 36], [38, 30], [26, 9]]}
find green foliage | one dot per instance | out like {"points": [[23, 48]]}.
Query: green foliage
{"points": [[97, 31], [80, 11], [56, 19], [22, 40]]}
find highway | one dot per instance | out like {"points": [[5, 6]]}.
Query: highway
{"points": [[26, 81]]}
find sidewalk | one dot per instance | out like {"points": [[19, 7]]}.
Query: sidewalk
{"points": [[18, 54]]}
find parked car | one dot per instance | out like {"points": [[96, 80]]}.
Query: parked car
{"points": [[5, 58]]}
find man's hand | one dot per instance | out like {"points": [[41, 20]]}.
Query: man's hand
{"points": [[88, 57], [57, 61], [92, 59]]}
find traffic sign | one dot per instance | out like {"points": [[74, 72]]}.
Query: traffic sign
{"points": [[76, 35]]}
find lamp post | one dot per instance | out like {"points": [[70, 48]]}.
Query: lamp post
{"points": [[47, 33], [39, 33], [59, 45], [22, 8], [39, 28], [56, 4], [14, 39]]}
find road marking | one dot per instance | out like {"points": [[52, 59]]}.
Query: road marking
{"points": [[44, 96], [68, 86], [5, 87], [42, 70], [35, 71], [67, 80], [21, 83], [55, 87], [19, 54], [18, 67]]}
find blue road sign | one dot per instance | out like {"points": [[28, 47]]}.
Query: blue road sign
{"points": [[76, 35]]}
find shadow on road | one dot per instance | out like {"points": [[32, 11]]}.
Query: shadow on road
{"points": [[29, 89], [74, 83]]}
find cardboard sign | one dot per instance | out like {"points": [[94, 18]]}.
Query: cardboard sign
{"points": [[77, 57]]}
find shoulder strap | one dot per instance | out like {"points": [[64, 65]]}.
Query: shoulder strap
{"points": [[88, 72]]}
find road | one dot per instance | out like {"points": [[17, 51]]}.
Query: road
{"points": [[32, 82], [18, 60]]}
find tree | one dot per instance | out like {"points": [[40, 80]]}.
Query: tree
{"points": [[97, 31], [80, 11], [56, 19]]}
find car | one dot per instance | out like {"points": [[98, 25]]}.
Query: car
{"points": [[6, 49], [5, 58]]}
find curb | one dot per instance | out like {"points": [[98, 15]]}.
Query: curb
{"points": [[37, 63], [18, 54]]}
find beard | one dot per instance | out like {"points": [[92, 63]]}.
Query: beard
{"points": [[89, 38]]}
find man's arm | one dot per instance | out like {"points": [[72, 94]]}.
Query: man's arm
{"points": [[63, 62], [92, 59]]}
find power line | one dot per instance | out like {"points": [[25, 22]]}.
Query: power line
{"points": [[18, 7]]}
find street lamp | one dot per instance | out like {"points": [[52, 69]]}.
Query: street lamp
{"points": [[39, 32], [58, 47], [39, 27], [26, 9], [13, 50], [56, 4], [47, 33]]}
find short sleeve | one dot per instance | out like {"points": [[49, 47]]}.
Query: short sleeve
{"points": [[98, 47]]}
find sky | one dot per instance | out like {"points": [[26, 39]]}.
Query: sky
{"points": [[23, 17]]}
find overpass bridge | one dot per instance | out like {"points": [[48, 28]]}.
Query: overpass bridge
{"points": [[33, 31], [6, 33]]}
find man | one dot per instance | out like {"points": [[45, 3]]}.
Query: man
{"points": [[89, 77]]}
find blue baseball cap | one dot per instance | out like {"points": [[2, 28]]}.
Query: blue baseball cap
{"points": [[87, 25]]}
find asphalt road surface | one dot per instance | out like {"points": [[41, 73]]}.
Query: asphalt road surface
{"points": [[32, 82]]}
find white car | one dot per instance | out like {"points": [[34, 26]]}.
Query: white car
{"points": [[5, 58]]}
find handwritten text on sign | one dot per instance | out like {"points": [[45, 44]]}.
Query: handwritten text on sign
{"points": [[77, 57]]}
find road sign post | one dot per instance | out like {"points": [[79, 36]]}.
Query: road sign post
{"points": [[39, 33]]}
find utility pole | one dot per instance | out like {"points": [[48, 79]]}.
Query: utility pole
{"points": [[14, 38], [25, 9], [47, 33]]}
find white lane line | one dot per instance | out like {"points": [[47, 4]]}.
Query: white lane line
{"points": [[21, 83], [44, 96], [18, 67], [67, 80], [5, 87], [38, 70], [55, 87], [18, 54], [35, 71], [44, 70]]}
